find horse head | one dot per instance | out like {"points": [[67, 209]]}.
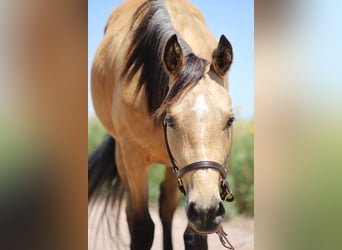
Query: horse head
{"points": [[197, 117]]}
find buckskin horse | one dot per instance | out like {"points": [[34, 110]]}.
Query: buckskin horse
{"points": [[159, 86]]}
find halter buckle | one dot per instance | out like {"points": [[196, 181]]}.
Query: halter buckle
{"points": [[226, 194]]}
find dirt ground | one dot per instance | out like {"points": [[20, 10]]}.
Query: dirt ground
{"points": [[240, 232]]}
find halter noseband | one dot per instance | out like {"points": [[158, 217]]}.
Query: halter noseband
{"points": [[226, 194]]}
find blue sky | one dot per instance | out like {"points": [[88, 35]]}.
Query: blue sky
{"points": [[234, 19]]}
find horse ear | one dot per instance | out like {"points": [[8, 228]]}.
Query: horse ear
{"points": [[222, 57], [173, 56]]}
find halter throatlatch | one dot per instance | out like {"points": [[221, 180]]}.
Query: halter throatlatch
{"points": [[225, 193]]}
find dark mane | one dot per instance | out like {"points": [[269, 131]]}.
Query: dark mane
{"points": [[151, 28]]}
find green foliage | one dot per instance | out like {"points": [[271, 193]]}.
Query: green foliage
{"points": [[96, 134], [240, 177], [155, 177]]}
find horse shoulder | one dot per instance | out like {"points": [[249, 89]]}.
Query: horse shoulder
{"points": [[104, 79], [105, 73]]}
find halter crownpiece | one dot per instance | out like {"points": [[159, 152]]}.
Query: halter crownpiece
{"points": [[225, 194]]}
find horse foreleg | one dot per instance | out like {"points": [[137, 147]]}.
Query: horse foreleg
{"points": [[168, 201], [141, 226], [193, 240], [135, 180]]}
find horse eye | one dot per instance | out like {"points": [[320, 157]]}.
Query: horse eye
{"points": [[230, 121], [169, 121]]}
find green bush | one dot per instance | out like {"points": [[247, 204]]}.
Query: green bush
{"points": [[242, 166], [240, 177], [96, 134]]}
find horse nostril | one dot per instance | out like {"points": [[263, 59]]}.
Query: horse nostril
{"points": [[220, 210], [192, 212]]}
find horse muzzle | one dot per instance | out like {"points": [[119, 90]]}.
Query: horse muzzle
{"points": [[205, 220]]}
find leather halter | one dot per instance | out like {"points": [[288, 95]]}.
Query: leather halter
{"points": [[226, 194]]}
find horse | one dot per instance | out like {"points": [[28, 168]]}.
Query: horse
{"points": [[159, 86]]}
